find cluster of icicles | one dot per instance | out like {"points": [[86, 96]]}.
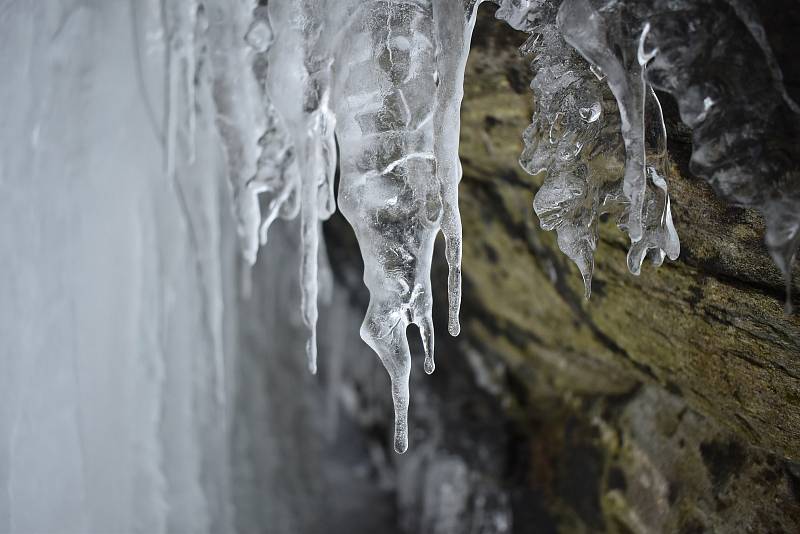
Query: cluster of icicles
{"points": [[374, 87]]}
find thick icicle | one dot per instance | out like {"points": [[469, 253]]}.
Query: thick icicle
{"points": [[400, 166], [576, 139], [388, 189]]}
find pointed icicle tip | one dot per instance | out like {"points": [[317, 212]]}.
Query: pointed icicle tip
{"points": [[400, 440], [454, 290], [250, 254], [426, 332], [400, 398], [453, 326], [311, 353], [587, 286]]}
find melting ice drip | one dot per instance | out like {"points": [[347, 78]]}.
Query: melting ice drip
{"points": [[384, 78]]}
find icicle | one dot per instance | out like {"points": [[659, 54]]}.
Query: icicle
{"points": [[584, 28], [273, 189], [263, 145], [184, 26], [277, 177], [400, 166], [740, 157], [317, 164], [180, 22], [388, 189], [563, 140], [309, 228], [744, 141], [240, 118], [577, 144], [454, 21], [297, 160], [659, 235]]}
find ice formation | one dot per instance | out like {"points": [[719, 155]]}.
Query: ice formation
{"points": [[373, 88], [394, 105], [744, 124], [577, 136], [388, 189]]}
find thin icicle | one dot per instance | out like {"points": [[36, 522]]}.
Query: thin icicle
{"points": [[454, 22], [180, 26], [317, 152], [659, 239]]}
